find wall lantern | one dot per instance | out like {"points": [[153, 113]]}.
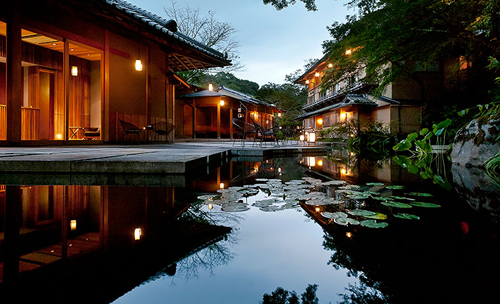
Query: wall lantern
{"points": [[320, 163], [301, 137], [74, 70], [221, 102], [312, 137], [348, 52], [307, 81], [210, 87], [137, 234], [221, 185], [330, 65], [138, 65], [72, 225], [316, 74], [319, 121], [279, 114]]}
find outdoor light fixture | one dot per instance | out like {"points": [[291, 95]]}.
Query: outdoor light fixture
{"points": [[221, 185], [348, 52], [137, 234], [320, 163], [301, 137], [74, 70], [316, 74], [221, 102], [320, 121], [307, 81], [210, 206], [72, 225], [330, 65], [348, 234], [279, 114], [317, 209], [312, 137], [138, 65], [59, 136], [210, 87]]}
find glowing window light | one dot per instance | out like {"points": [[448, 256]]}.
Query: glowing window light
{"points": [[221, 185], [312, 137], [320, 163], [137, 234], [210, 87], [138, 65], [301, 137], [59, 136], [319, 121]]}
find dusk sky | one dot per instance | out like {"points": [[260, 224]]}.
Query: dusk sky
{"points": [[272, 43]]}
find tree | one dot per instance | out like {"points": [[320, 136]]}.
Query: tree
{"points": [[393, 39], [281, 4], [227, 80], [209, 31], [288, 97]]}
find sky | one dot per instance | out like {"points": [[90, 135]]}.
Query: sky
{"points": [[272, 43]]}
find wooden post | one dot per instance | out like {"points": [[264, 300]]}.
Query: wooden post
{"points": [[231, 119], [218, 119], [66, 77], [14, 73], [13, 218]]}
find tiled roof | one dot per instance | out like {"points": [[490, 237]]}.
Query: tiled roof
{"points": [[349, 100], [223, 91], [168, 27]]}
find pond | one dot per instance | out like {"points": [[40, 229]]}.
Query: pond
{"points": [[349, 230]]}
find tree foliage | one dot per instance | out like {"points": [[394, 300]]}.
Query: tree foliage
{"points": [[227, 80], [281, 4], [288, 97], [216, 34]]}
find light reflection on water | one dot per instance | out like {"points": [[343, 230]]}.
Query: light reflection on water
{"points": [[290, 248]]}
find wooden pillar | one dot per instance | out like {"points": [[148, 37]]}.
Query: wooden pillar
{"points": [[218, 119], [14, 73], [66, 77], [105, 123], [194, 118], [231, 119]]}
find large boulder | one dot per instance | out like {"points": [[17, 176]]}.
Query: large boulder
{"points": [[475, 143]]}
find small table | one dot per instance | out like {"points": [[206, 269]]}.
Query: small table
{"points": [[74, 131]]}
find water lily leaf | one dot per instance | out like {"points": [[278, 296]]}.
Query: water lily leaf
{"points": [[395, 204], [335, 183], [373, 224], [344, 221], [209, 197], [261, 179], [407, 216], [381, 198], [395, 187], [350, 187], [425, 205], [333, 215], [361, 212], [358, 196], [419, 194], [374, 184], [377, 216]]}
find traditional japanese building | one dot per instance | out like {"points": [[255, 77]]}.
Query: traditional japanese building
{"points": [[72, 69], [399, 108], [209, 112]]}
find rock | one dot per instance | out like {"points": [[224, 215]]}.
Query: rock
{"points": [[475, 143]]}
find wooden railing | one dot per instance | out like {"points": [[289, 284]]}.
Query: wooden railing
{"points": [[30, 119], [3, 122]]}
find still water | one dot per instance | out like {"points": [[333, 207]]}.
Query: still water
{"points": [[362, 231]]}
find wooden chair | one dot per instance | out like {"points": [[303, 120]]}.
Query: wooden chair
{"points": [[262, 133], [129, 128], [92, 133], [242, 129], [162, 129]]}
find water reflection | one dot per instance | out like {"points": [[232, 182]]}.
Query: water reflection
{"points": [[59, 240]]}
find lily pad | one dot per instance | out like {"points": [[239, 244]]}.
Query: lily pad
{"points": [[395, 187], [374, 184], [208, 197], [419, 194], [381, 198], [333, 215], [344, 221], [373, 224], [377, 216], [361, 212], [335, 183], [395, 204], [425, 205], [358, 196], [407, 216]]}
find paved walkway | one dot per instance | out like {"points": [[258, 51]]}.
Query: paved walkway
{"points": [[179, 158]]}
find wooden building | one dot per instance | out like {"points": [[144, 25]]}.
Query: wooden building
{"points": [[209, 112], [72, 69]]}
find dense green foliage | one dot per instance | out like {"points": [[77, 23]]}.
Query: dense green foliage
{"points": [[282, 296], [287, 97], [228, 80]]}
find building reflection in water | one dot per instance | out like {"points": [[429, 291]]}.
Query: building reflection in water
{"points": [[42, 225]]}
